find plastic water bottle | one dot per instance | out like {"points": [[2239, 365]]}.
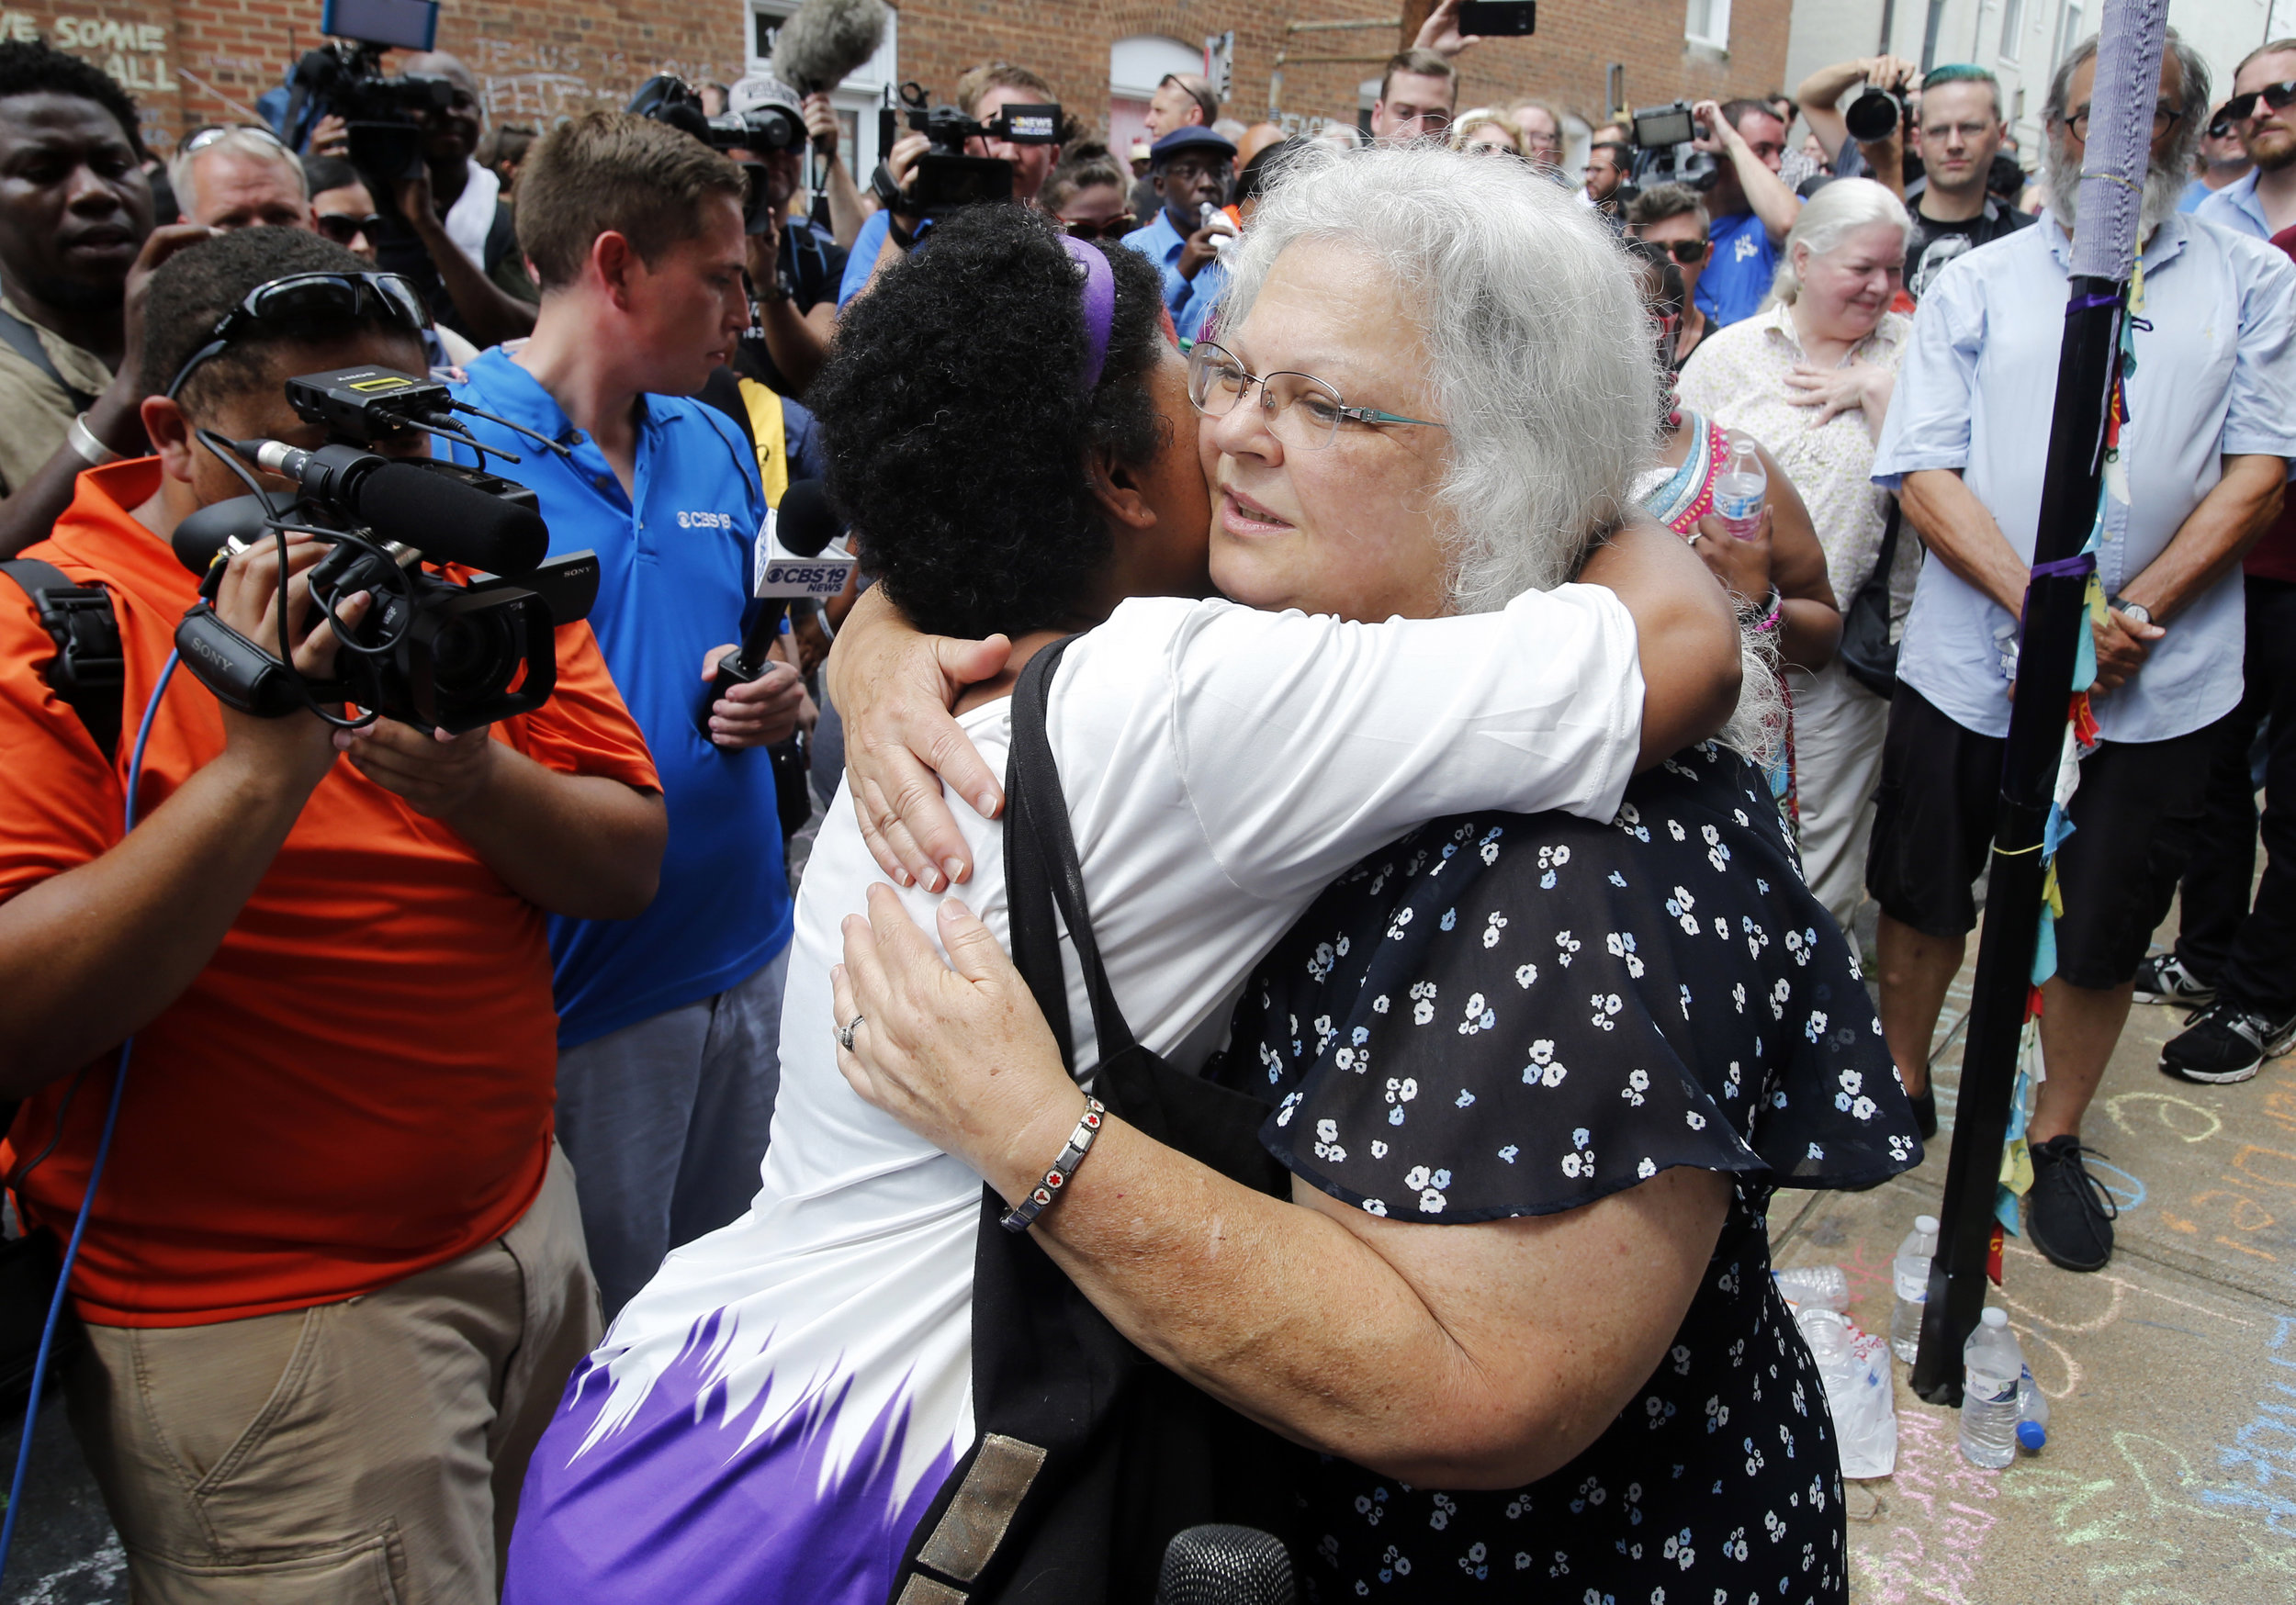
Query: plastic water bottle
{"points": [[1991, 1366], [1911, 1271], [1742, 489], [2033, 1414]]}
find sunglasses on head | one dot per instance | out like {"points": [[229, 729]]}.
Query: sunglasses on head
{"points": [[1114, 228], [200, 138], [2278, 96], [331, 296], [344, 227]]}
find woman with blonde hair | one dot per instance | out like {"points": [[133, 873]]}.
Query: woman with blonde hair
{"points": [[1486, 132], [1809, 376]]}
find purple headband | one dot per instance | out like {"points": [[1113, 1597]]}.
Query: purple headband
{"points": [[1099, 306]]}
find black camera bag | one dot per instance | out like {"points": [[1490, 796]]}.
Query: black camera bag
{"points": [[1088, 1456]]}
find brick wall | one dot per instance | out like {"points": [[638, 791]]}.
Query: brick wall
{"points": [[189, 61]]}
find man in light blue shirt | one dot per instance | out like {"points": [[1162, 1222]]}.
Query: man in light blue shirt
{"points": [[2262, 113], [2203, 453], [1189, 168], [669, 1024]]}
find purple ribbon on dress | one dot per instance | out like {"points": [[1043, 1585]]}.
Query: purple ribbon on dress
{"points": [[1099, 306]]}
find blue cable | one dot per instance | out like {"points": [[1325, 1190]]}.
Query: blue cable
{"points": [[94, 1176]]}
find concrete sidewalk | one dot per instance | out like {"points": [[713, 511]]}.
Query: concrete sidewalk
{"points": [[2170, 1473]]}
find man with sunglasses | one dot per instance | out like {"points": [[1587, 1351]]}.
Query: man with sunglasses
{"points": [[77, 249], [331, 1207], [2222, 162], [2207, 437], [2262, 110], [1672, 216]]}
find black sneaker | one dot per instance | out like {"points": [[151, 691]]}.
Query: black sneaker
{"points": [[2068, 1212], [2162, 979], [2225, 1042]]}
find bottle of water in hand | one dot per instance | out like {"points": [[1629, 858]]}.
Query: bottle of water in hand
{"points": [[1992, 1365], [1740, 490], [1911, 1269]]}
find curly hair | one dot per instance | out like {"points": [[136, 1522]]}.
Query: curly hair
{"points": [[39, 67], [957, 440]]}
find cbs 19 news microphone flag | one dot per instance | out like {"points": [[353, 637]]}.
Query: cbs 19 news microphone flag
{"points": [[2089, 367], [816, 49]]}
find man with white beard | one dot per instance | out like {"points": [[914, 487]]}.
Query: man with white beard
{"points": [[2204, 450]]}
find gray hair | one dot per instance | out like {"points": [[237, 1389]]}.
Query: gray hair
{"points": [[1828, 220], [252, 143], [2193, 108], [1538, 349]]}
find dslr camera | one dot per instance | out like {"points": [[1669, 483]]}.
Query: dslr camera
{"points": [[672, 100], [383, 114], [1664, 152], [432, 650], [946, 177]]}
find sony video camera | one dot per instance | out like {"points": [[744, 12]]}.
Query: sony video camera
{"points": [[946, 177], [383, 114], [432, 651], [673, 101], [1665, 152]]}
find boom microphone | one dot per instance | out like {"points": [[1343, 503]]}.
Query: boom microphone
{"points": [[449, 513], [826, 41]]}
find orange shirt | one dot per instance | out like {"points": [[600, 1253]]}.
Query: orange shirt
{"points": [[359, 1086]]}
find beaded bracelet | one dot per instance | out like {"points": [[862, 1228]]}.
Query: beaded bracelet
{"points": [[1021, 1216], [1771, 620]]}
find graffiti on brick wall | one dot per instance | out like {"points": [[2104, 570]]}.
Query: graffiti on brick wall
{"points": [[134, 53], [539, 82]]}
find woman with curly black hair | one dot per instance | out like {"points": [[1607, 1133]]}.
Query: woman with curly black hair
{"points": [[1010, 433]]}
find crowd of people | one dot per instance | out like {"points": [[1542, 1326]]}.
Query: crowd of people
{"points": [[1334, 852]]}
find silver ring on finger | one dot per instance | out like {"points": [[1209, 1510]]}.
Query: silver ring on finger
{"points": [[845, 1033]]}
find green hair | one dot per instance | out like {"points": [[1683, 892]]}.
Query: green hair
{"points": [[1965, 72]]}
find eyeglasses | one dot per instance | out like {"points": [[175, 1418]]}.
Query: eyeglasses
{"points": [[1114, 228], [2164, 118], [333, 297], [344, 227], [1685, 252], [1302, 410], [2241, 107], [199, 140]]}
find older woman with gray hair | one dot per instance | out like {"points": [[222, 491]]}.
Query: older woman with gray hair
{"points": [[1810, 377], [1533, 1077]]}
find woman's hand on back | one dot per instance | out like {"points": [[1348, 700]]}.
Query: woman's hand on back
{"points": [[893, 685]]}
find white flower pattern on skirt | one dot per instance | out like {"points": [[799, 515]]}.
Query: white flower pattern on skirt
{"points": [[1720, 1478]]}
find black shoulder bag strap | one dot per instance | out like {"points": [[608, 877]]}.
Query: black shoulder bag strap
{"points": [[1868, 655], [24, 340], [88, 673], [1088, 1456]]}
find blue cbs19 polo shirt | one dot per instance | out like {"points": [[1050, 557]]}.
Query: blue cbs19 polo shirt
{"points": [[673, 582]]}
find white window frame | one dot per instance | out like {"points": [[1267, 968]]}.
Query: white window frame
{"points": [[2013, 27], [1717, 34]]}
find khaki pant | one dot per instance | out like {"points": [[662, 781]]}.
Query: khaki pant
{"points": [[364, 1452], [1838, 730]]}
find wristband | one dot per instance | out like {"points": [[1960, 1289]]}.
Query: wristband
{"points": [[83, 440], [1771, 619], [1021, 1216]]}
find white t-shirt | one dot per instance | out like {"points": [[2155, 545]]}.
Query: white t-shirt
{"points": [[771, 1415]]}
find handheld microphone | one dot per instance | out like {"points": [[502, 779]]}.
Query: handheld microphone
{"points": [[792, 560], [448, 512], [1220, 1565]]}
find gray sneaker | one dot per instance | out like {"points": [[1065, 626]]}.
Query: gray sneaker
{"points": [[2162, 979]]}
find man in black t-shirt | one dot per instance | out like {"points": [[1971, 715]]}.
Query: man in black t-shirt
{"points": [[1959, 133]]}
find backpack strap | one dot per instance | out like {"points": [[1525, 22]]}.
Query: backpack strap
{"points": [[24, 340], [89, 673]]}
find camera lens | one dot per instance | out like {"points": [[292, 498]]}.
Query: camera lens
{"points": [[474, 654], [1871, 116]]}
